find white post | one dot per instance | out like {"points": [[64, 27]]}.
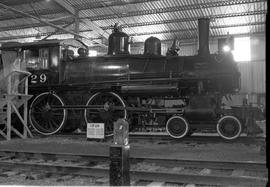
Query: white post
{"points": [[9, 119]]}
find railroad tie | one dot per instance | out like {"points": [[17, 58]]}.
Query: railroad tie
{"points": [[9, 173], [238, 173], [156, 184], [5, 157], [205, 171], [133, 183], [189, 185]]}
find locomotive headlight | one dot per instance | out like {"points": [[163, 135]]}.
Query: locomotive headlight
{"points": [[226, 48]]}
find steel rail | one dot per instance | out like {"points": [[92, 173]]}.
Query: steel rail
{"points": [[163, 136], [137, 175], [247, 165], [198, 138]]}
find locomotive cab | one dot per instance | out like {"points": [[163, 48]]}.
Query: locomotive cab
{"points": [[42, 59]]}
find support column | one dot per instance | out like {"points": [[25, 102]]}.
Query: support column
{"points": [[9, 120], [77, 25]]}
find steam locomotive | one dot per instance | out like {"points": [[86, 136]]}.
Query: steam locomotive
{"points": [[179, 94]]}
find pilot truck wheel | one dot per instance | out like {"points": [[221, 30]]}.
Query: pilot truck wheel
{"points": [[229, 127], [177, 127]]}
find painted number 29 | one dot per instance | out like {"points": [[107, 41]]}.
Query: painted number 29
{"points": [[41, 78]]}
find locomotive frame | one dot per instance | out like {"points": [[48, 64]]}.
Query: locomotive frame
{"points": [[180, 94]]}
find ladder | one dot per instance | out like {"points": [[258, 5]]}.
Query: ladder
{"points": [[14, 100]]}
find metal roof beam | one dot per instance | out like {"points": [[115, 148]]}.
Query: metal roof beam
{"points": [[173, 9], [100, 4], [91, 5], [43, 12], [33, 25], [45, 22], [66, 6], [141, 34], [15, 3], [195, 29], [90, 24], [218, 16], [3, 39], [188, 40], [41, 20], [57, 30]]}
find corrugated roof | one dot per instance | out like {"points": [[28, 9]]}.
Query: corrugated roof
{"points": [[165, 19]]}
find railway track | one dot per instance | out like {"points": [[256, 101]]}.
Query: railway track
{"points": [[153, 170], [196, 138]]}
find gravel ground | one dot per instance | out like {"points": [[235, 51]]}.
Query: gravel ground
{"points": [[53, 181], [156, 149]]}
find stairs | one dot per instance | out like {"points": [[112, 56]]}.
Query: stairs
{"points": [[13, 102]]}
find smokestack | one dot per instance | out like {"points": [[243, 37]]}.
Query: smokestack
{"points": [[203, 26]]}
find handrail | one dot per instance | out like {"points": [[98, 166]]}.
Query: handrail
{"points": [[16, 71], [10, 87], [20, 71]]}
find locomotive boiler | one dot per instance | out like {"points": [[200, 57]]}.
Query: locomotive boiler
{"points": [[179, 94]]}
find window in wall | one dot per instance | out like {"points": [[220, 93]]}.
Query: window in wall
{"points": [[241, 51]]}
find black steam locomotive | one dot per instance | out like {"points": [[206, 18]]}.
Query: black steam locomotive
{"points": [[179, 94]]}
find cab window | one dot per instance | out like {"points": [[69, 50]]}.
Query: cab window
{"points": [[36, 58]]}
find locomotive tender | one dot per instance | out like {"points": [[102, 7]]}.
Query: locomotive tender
{"points": [[181, 94]]}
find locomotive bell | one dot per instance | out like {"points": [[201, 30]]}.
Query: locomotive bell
{"points": [[152, 46], [118, 43]]}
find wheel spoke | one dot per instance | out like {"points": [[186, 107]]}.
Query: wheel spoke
{"points": [[53, 123], [42, 118], [58, 114], [107, 116], [39, 108], [54, 117]]}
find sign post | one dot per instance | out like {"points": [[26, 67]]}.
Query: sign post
{"points": [[119, 155]]}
